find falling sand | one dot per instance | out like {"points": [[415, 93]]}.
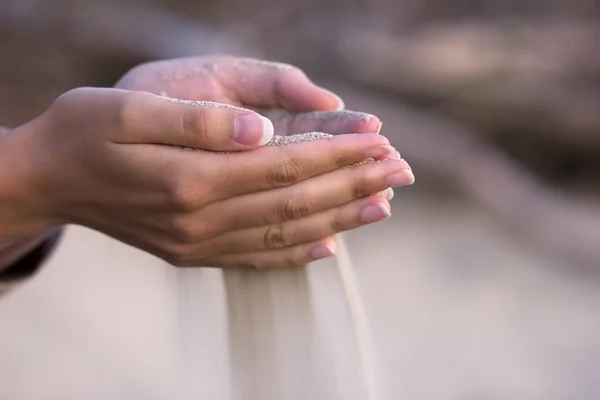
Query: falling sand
{"points": [[276, 349], [281, 344]]}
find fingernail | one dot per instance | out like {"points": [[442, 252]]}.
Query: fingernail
{"points": [[374, 213], [379, 129], [252, 129], [381, 151], [323, 251], [389, 194], [402, 178]]}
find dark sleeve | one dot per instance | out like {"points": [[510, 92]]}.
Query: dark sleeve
{"points": [[29, 264]]}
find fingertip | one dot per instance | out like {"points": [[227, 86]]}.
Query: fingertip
{"points": [[357, 122], [388, 195], [337, 100], [303, 95], [327, 101], [376, 211], [325, 248], [374, 124], [368, 123]]}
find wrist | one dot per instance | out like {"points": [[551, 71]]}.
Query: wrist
{"points": [[21, 216]]}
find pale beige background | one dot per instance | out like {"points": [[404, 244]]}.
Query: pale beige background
{"points": [[458, 309]]}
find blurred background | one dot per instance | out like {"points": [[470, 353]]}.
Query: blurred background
{"points": [[484, 284]]}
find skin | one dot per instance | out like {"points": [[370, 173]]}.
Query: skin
{"points": [[111, 160]]}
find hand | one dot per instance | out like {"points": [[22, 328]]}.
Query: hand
{"points": [[232, 80], [293, 103], [105, 158], [290, 100]]}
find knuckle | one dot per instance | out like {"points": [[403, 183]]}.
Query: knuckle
{"points": [[195, 124], [293, 208], [181, 262], [220, 59], [290, 261], [176, 260], [337, 223], [183, 255], [287, 173], [181, 197], [71, 97], [182, 230], [340, 159], [285, 72], [275, 237], [67, 96], [181, 200], [76, 104], [175, 254], [76, 92], [132, 100], [131, 108], [337, 156], [186, 229], [288, 68], [134, 78], [360, 188], [248, 263]]}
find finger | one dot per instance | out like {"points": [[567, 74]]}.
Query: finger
{"points": [[150, 119], [334, 122], [280, 166], [259, 83], [327, 223], [309, 197], [290, 257]]}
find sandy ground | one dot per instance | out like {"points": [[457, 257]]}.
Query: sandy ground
{"points": [[459, 312]]}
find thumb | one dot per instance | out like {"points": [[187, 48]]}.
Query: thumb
{"points": [[197, 124], [223, 127]]}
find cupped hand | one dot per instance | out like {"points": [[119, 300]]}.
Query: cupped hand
{"points": [[232, 80], [291, 101], [112, 160]]}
